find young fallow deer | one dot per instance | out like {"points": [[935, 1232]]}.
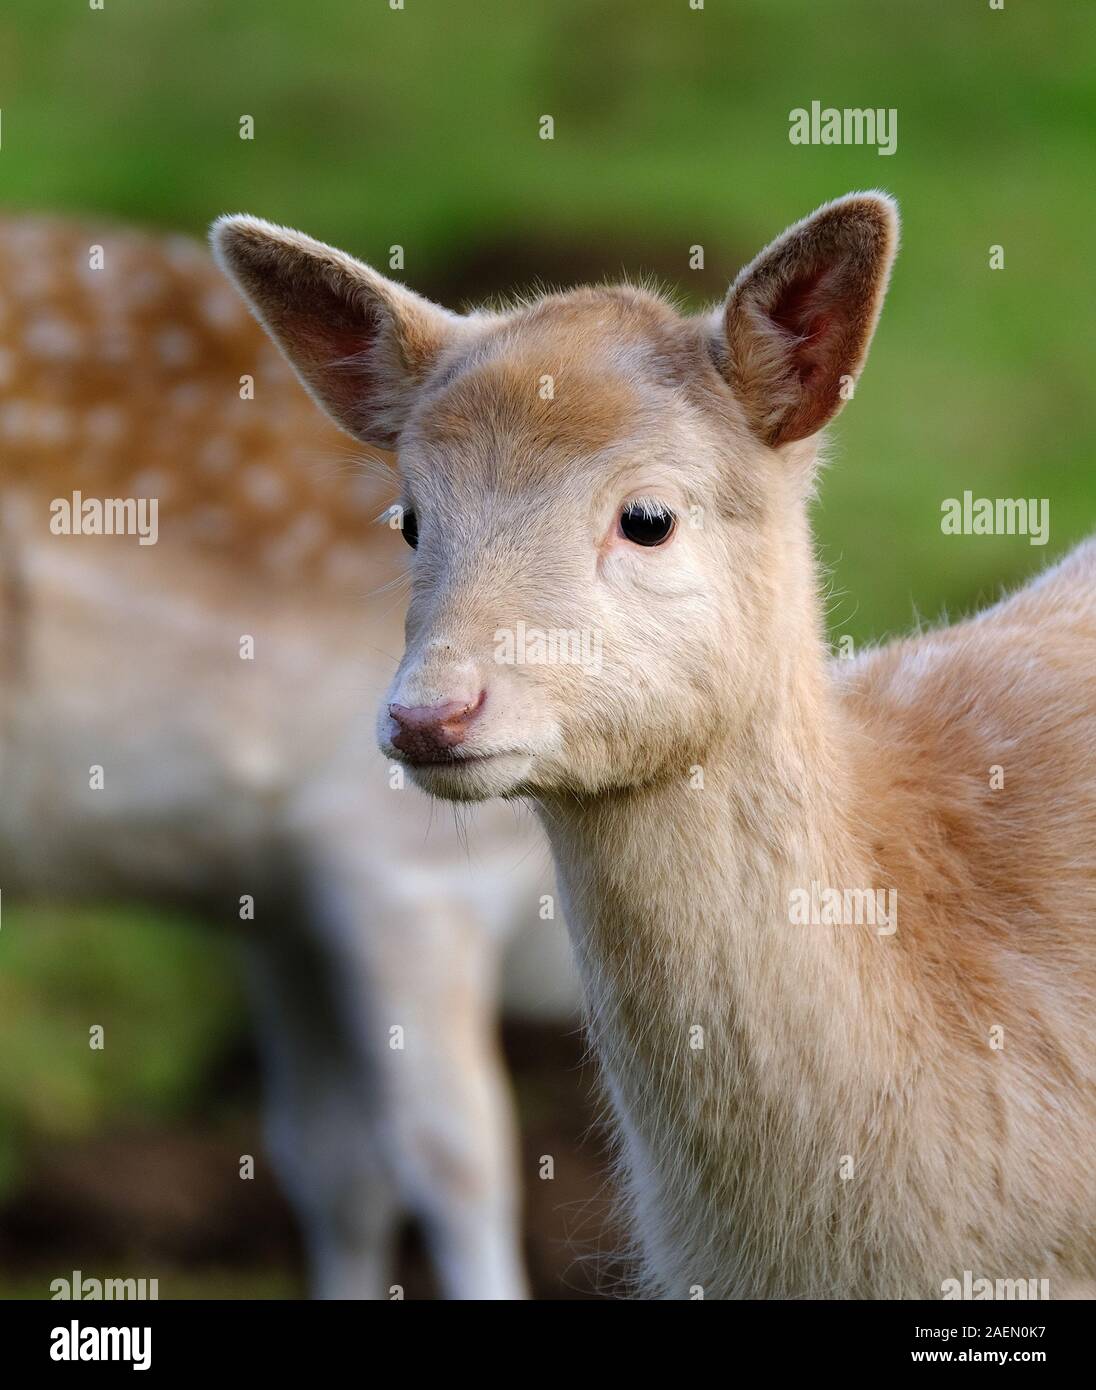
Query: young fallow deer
{"points": [[129, 370], [829, 1111]]}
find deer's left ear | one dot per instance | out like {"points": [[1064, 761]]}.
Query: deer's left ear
{"points": [[361, 344], [799, 318]]}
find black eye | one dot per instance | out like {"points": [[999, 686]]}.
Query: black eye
{"points": [[410, 528], [647, 523]]}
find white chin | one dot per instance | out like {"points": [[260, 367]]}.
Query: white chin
{"points": [[476, 779]]}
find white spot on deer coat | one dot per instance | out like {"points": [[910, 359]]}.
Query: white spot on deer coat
{"points": [[219, 454], [52, 339], [105, 424], [174, 347], [264, 487]]}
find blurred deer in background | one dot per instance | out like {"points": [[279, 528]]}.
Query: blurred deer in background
{"points": [[221, 679]]}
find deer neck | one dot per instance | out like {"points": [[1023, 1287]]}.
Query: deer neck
{"points": [[730, 1036]]}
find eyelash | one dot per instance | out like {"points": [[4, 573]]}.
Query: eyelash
{"points": [[409, 526], [646, 522]]}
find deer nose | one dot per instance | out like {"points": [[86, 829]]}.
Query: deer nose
{"points": [[428, 732]]}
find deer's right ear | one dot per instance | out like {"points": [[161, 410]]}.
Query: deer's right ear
{"points": [[361, 344], [799, 319]]}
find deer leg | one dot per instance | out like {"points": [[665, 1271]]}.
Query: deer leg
{"points": [[388, 1093], [322, 1116], [419, 966], [452, 1127]]}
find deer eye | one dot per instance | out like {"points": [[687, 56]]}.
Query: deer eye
{"points": [[647, 523], [410, 528]]}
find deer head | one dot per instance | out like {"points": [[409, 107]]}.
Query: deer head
{"points": [[606, 499]]}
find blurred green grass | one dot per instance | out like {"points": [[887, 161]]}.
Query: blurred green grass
{"points": [[162, 989]]}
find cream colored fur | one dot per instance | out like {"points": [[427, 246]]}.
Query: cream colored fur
{"points": [[804, 1111]]}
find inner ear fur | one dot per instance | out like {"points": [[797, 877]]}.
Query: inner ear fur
{"points": [[360, 343], [799, 318]]}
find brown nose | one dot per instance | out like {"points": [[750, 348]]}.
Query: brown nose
{"points": [[428, 732]]}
